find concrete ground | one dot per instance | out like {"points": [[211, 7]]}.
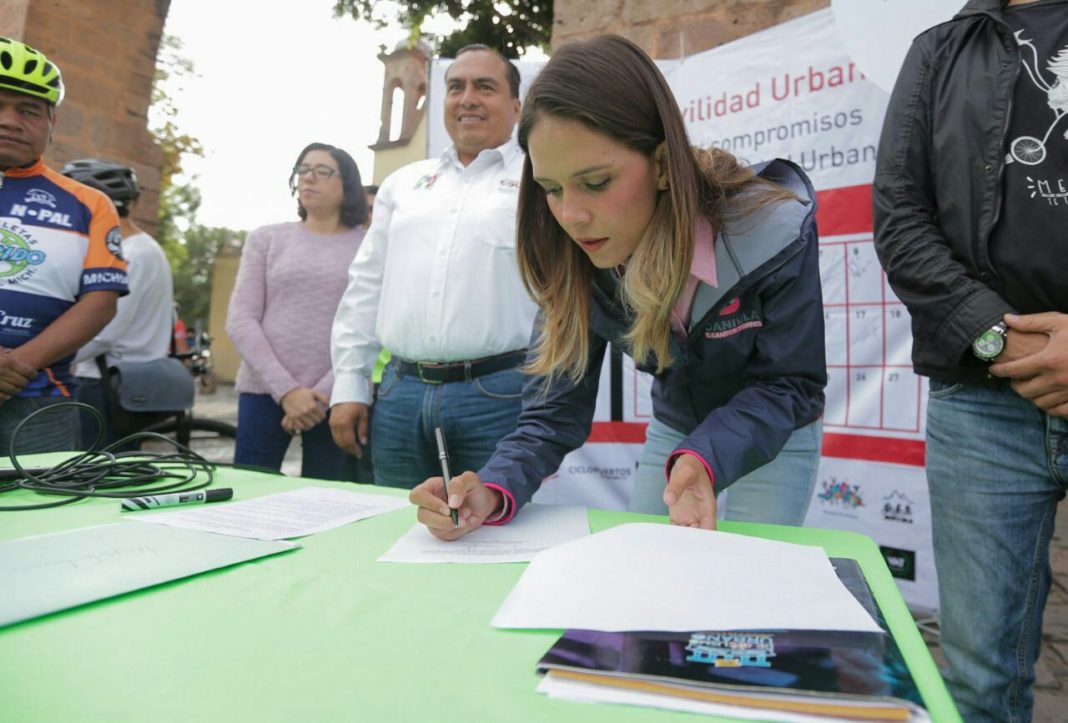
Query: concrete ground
{"points": [[1051, 688]]}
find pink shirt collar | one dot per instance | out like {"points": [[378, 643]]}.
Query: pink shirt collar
{"points": [[704, 253], [702, 270]]}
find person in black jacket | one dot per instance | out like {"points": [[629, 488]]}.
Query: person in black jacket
{"points": [[971, 223], [706, 271]]}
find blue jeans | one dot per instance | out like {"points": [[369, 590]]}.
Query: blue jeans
{"points": [[53, 431], [262, 442], [778, 492], [473, 416], [996, 468]]}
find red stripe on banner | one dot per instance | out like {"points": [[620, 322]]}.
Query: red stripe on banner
{"points": [[874, 449], [845, 446], [844, 210], [620, 432]]}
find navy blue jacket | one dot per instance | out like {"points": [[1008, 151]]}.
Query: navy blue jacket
{"points": [[751, 371]]}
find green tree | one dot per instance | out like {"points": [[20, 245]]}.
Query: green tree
{"points": [[190, 248], [510, 26], [177, 203], [192, 287]]}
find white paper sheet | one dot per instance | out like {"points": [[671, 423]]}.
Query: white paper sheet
{"points": [[535, 528], [645, 576], [277, 517], [46, 573]]}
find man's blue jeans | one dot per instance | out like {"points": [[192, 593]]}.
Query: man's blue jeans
{"points": [[472, 415], [778, 492], [996, 468]]}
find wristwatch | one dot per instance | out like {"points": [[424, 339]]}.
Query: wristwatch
{"points": [[990, 343]]}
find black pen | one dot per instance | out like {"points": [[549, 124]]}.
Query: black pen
{"points": [[177, 498], [444, 457]]}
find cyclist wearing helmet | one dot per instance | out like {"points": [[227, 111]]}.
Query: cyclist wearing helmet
{"points": [[141, 329], [61, 265]]}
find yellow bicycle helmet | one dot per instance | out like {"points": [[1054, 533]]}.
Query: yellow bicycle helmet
{"points": [[25, 70]]}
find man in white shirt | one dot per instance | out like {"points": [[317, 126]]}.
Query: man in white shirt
{"points": [[144, 322], [435, 281]]}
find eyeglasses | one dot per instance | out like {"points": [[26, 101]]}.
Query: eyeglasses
{"points": [[321, 172]]}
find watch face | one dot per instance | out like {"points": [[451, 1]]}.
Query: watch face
{"points": [[989, 344]]}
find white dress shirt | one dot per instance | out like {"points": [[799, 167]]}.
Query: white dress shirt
{"points": [[143, 324], [435, 278]]}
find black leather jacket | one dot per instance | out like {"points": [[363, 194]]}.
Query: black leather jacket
{"points": [[937, 192]]}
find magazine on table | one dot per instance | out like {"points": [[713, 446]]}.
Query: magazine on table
{"points": [[797, 673]]}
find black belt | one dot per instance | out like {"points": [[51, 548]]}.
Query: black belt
{"points": [[460, 371]]}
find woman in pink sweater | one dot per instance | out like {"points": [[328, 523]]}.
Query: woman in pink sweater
{"points": [[291, 278]]}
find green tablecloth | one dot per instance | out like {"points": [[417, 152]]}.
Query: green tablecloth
{"points": [[326, 633]]}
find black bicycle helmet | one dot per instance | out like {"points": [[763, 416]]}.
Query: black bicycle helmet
{"points": [[117, 181]]}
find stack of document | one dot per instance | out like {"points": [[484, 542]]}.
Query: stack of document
{"points": [[47, 573], [712, 622]]}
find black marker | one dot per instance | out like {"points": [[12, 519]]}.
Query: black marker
{"points": [[178, 498]]}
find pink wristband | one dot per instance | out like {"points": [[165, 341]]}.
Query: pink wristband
{"points": [[507, 511], [689, 452]]}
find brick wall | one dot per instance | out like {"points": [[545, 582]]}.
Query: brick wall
{"points": [[670, 28], [106, 50]]}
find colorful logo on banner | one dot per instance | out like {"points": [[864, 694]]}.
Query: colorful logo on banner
{"points": [[897, 507], [840, 493], [902, 563], [731, 650]]}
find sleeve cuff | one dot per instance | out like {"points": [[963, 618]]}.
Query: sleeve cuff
{"points": [[278, 392], [352, 388], [507, 511], [678, 453]]}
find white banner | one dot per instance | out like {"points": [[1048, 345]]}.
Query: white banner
{"points": [[877, 33], [889, 503]]}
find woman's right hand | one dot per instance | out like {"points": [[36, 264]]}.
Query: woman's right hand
{"points": [[474, 500], [304, 407]]}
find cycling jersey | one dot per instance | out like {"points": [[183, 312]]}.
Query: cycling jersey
{"points": [[59, 240]]}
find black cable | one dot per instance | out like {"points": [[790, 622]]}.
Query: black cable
{"points": [[107, 472]]}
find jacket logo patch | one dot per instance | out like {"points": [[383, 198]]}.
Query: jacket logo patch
{"points": [[736, 324]]}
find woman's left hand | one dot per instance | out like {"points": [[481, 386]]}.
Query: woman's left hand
{"points": [[689, 495], [292, 426], [304, 407]]}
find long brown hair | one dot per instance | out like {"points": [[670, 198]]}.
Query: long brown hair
{"points": [[609, 84]]}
